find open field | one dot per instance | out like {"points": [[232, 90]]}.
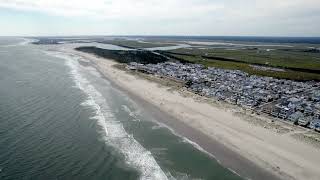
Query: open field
{"points": [[296, 64], [285, 58]]}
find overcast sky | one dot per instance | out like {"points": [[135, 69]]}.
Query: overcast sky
{"points": [[160, 17]]}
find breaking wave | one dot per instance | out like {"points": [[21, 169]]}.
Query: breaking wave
{"points": [[112, 130]]}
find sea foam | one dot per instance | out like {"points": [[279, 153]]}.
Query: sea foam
{"points": [[112, 130]]}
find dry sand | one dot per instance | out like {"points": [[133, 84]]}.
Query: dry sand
{"points": [[278, 153]]}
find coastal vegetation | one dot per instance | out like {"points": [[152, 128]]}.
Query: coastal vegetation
{"points": [[293, 64], [140, 56], [283, 58]]}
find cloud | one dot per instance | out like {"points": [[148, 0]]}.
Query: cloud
{"points": [[166, 9], [108, 9], [234, 17]]}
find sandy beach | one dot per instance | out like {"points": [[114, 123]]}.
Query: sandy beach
{"points": [[253, 151]]}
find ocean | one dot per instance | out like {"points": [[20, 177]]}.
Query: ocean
{"points": [[62, 120]]}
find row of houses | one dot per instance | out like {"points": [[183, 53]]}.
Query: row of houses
{"points": [[298, 102], [302, 109]]}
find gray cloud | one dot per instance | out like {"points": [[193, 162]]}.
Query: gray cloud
{"points": [[203, 17]]}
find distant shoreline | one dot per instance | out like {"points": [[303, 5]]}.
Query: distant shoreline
{"points": [[258, 39]]}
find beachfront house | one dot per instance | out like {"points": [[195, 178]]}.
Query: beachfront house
{"points": [[267, 109], [295, 117], [316, 114], [276, 110], [305, 121], [234, 99], [285, 112], [314, 124]]}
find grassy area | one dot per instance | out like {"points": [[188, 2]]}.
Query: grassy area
{"points": [[283, 58], [288, 74], [144, 57], [136, 44]]}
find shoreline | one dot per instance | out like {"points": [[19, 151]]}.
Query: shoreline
{"points": [[225, 156], [237, 144], [222, 154]]}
